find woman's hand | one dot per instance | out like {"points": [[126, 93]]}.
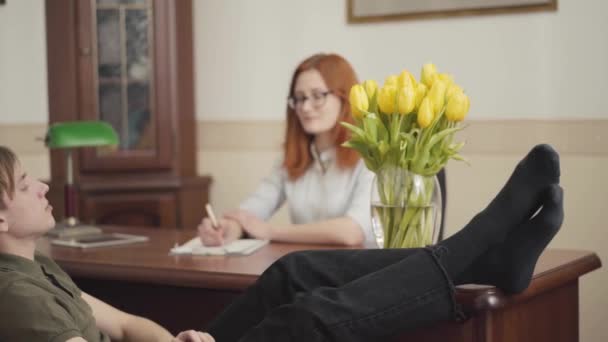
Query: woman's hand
{"points": [[250, 223], [193, 336], [226, 231]]}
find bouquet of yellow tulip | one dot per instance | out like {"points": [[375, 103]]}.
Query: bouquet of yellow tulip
{"points": [[407, 127]]}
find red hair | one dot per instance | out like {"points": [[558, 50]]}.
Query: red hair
{"points": [[339, 77]]}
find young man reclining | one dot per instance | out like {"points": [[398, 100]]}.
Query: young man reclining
{"points": [[344, 295], [39, 302]]}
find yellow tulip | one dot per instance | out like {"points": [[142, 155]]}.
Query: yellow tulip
{"points": [[437, 96], [420, 94], [414, 82], [358, 101], [457, 107], [406, 99], [446, 78], [429, 74], [406, 79], [386, 99], [425, 113], [452, 89], [370, 88], [392, 80]]}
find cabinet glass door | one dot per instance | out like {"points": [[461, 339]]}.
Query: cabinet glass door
{"points": [[124, 71], [122, 87]]}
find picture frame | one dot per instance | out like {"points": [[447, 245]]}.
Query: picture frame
{"points": [[364, 11]]}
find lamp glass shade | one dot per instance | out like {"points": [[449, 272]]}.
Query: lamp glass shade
{"points": [[80, 134]]}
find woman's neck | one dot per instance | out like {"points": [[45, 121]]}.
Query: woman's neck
{"points": [[323, 142]]}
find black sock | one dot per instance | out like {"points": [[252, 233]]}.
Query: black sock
{"points": [[510, 266], [513, 205]]}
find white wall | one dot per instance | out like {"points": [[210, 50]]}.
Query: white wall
{"points": [[548, 64], [23, 86], [545, 64]]}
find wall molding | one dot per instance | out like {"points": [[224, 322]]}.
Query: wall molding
{"points": [[240, 135], [24, 139], [515, 136]]}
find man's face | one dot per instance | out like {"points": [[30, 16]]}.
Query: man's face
{"points": [[28, 213]]}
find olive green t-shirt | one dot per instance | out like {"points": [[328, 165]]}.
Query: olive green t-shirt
{"points": [[40, 302]]}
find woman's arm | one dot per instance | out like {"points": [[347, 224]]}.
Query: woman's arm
{"points": [[340, 231], [268, 197]]}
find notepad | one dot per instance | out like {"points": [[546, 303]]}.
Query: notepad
{"points": [[237, 247]]}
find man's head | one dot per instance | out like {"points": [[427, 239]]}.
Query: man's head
{"points": [[24, 210]]}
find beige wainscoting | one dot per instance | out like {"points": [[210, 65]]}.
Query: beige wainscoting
{"points": [[239, 153], [27, 141]]}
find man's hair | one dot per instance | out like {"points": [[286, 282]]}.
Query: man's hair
{"points": [[8, 159]]}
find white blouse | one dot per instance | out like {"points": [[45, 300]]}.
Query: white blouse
{"points": [[323, 192]]}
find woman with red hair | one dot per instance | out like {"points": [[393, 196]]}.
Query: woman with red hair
{"points": [[327, 186]]}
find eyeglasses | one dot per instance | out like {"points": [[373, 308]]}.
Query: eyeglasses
{"points": [[317, 100]]}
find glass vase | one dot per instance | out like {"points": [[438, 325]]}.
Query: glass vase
{"points": [[406, 208]]}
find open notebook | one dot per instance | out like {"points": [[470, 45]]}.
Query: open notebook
{"points": [[238, 247]]}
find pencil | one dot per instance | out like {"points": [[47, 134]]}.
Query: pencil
{"points": [[211, 216]]}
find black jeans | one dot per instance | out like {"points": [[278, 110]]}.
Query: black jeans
{"points": [[341, 295]]}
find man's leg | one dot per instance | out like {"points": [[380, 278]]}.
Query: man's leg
{"points": [[298, 272], [412, 293]]}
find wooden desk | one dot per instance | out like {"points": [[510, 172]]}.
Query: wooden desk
{"points": [[182, 292]]}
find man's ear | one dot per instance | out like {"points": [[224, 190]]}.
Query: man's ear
{"points": [[3, 222]]}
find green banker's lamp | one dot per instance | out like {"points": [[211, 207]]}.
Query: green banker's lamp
{"points": [[69, 136]]}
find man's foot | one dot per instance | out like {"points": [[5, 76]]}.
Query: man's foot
{"points": [[513, 205], [521, 195], [510, 266]]}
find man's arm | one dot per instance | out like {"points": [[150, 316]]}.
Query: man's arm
{"points": [[121, 326]]}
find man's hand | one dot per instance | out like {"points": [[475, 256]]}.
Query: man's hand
{"points": [[255, 227], [193, 336]]}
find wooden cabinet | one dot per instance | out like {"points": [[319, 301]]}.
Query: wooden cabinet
{"points": [[129, 63], [142, 209]]}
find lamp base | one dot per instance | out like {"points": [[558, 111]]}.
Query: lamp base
{"points": [[70, 227]]}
